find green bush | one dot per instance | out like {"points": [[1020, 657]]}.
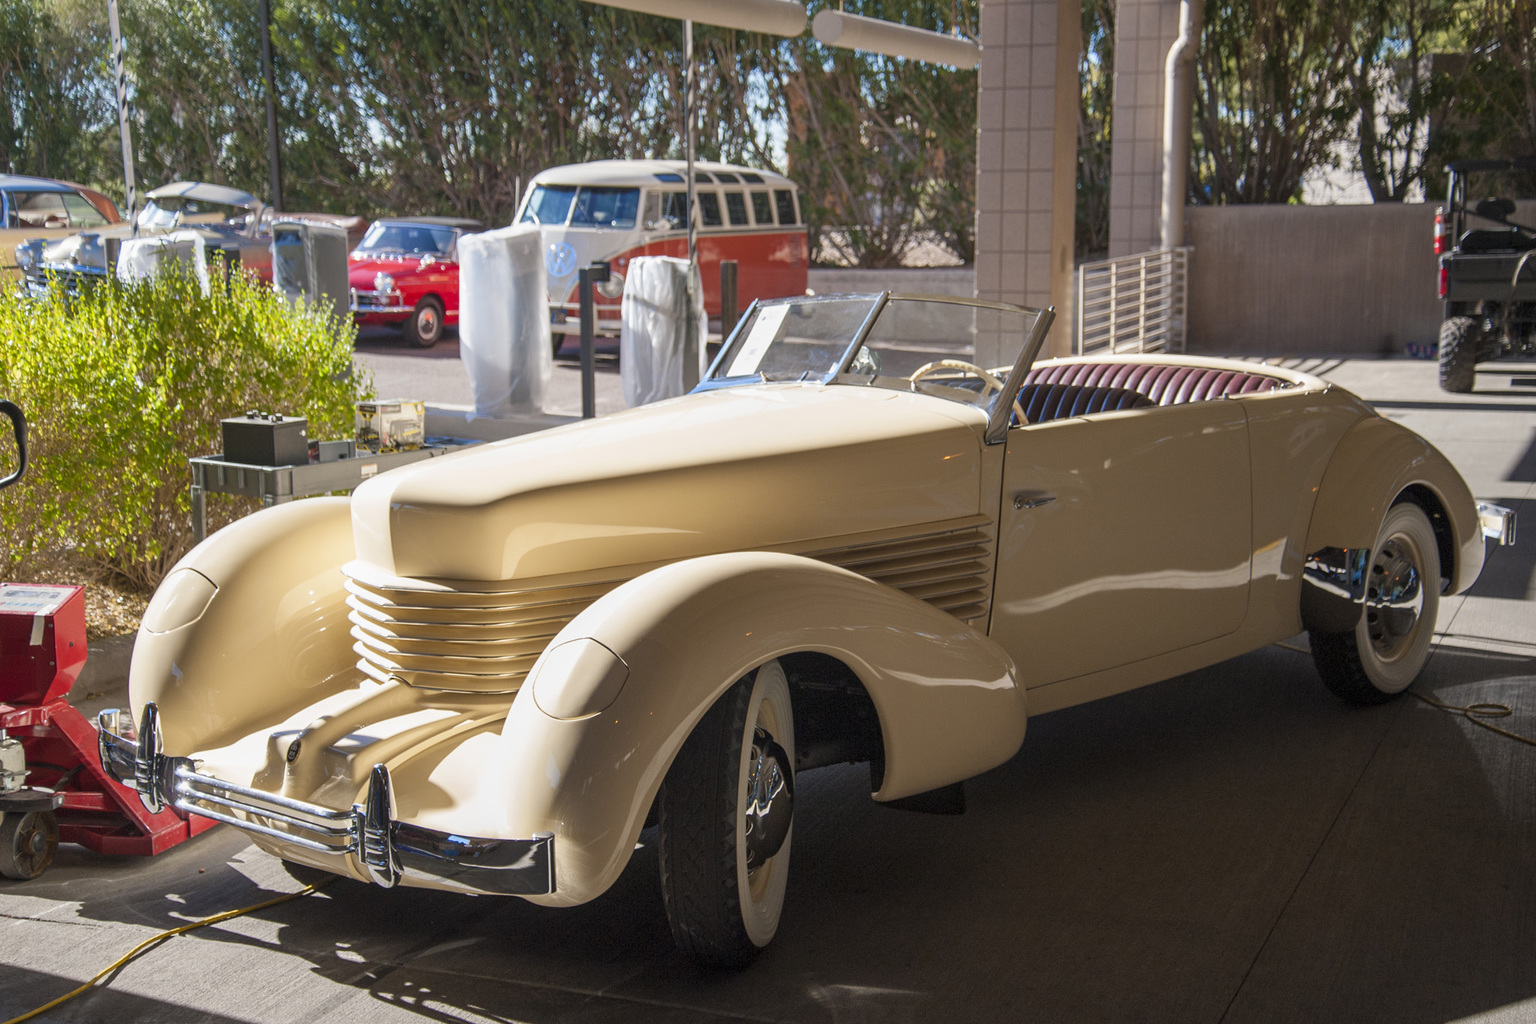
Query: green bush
{"points": [[122, 385]]}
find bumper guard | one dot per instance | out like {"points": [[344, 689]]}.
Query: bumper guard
{"points": [[387, 849]]}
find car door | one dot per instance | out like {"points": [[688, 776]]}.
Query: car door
{"points": [[1122, 536]]}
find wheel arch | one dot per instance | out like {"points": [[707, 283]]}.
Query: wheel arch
{"points": [[1377, 464], [945, 698]]}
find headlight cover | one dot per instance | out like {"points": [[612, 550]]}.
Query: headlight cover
{"points": [[578, 679], [382, 282], [613, 287]]}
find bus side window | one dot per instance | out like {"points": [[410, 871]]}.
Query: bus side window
{"points": [[674, 207], [709, 209], [652, 220], [786, 201], [762, 207], [736, 206]]}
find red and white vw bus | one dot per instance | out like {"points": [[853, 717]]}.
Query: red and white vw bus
{"points": [[614, 210]]}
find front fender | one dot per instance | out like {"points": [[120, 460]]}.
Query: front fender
{"points": [[946, 696], [249, 626], [1373, 465]]}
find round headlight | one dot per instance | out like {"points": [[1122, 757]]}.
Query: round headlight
{"points": [[613, 287], [382, 282]]}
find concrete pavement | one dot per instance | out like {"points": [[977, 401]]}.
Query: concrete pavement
{"points": [[1231, 845]]}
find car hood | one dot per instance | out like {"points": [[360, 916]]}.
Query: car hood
{"points": [[733, 469]]}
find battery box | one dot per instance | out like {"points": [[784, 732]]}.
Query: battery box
{"points": [[391, 425], [266, 439]]}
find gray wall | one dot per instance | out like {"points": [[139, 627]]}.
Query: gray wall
{"points": [[1284, 280], [957, 281]]}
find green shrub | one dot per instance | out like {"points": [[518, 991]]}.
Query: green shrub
{"points": [[122, 385]]}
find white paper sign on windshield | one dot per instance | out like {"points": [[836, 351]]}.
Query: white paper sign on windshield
{"points": [[764, 330]]}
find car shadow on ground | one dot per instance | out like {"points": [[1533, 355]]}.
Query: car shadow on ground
{"points": [[1217, 846]]}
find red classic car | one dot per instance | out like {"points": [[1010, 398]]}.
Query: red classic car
{"points": [[406, 271]]}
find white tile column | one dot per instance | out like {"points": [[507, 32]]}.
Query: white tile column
{"points": [[1026, 178], [1144, 30]]}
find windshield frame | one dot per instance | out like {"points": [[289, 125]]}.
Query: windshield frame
{"points": [[998, 416]]}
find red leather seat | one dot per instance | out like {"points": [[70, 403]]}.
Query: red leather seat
{"points": [[1162, 384]]}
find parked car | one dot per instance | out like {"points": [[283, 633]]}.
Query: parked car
{"points": [[405, 272], [1487, 270], [227, 218], [46, 208], [489, 672]]}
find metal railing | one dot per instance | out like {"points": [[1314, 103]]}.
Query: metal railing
{"points": [[1135, 303]]}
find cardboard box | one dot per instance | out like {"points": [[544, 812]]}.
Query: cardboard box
{"points": [[391, 425]]}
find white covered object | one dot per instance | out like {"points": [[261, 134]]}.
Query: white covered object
{"points": [[142, 258], [652, 322], [504, 338]]}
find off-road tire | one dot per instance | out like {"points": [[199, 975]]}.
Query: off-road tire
{"points": [[425, 326], [1365, 666], [713, 917], [1460, 337]]}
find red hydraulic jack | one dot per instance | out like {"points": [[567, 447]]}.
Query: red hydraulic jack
{"points": [[47, 742]]}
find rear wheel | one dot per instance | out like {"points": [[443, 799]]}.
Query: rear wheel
{"points": [[425, 327], [725, 817], [1459, 340], [1384, 653], [27, 843]]}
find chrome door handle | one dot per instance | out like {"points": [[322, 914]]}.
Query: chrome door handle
{"points": [[1025, 500]]}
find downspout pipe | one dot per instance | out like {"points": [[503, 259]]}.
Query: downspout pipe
{"points": [[1178, 80]]}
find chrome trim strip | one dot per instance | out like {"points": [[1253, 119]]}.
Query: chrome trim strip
{"points": [[1497, 522], [388, 850]]}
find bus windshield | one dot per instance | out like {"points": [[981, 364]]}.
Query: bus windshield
{"points": [[594, 206]]}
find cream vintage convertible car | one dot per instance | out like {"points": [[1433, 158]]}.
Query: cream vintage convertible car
{"points": [[489, 672]]}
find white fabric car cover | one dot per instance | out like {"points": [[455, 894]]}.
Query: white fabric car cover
{"points": [[504, 338], [652, 322], [142, 258]]}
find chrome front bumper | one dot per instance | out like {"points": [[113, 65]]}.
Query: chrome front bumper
{"points": [[387, 849], [377, 302]]}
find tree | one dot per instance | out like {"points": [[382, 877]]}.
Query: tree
{"points": [[1273, 99], [1095, 69], [54, 101]]}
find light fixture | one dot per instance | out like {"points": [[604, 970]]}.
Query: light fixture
{"points": [[856, 32], [776, 17]]}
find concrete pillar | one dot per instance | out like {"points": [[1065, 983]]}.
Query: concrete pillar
{"points": [[1144, 30], [1026, 178]]}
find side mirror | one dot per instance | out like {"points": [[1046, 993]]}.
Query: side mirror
{"points": [[1497, 209], [19, 425]]}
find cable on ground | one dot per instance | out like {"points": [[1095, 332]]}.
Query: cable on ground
{"points": [[1478, 714], [156, 939]]}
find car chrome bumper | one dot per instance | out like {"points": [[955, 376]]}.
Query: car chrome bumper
{"points": [[387, 849], [377, 302], [1497, 521]]}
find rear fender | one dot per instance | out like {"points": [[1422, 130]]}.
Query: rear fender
{"points": [[1375, 464], [675, 639]]}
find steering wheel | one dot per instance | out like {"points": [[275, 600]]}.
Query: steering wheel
{"points": [[986, 377]]}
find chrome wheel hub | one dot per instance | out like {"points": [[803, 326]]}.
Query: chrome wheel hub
{"points": [[1394, 598], [770, 798]]}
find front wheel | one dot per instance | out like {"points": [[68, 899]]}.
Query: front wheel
{"points": [[725, 814], [425, 326], [1384, 653], [1459, 340], [27, 843]]}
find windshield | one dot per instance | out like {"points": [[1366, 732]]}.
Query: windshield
{"points": [[598, 206], [883, 341], [168, 212], [411, 239]]}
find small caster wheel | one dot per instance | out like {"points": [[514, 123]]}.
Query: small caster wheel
{"points": [[27, 843]]}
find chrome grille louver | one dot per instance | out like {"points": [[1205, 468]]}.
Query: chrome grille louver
{"points": [[449, 639], [485, 640]]}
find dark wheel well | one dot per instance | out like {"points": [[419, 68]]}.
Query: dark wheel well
{"points": [[835, 720], [1445, 536]]}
